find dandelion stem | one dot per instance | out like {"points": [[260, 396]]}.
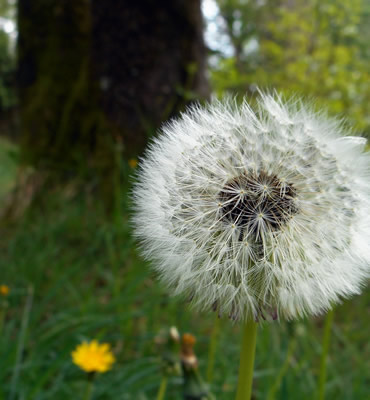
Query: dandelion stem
{"points": [[2, 317], [245, 379], [324, 354], [279, 377], [89, 387], [212, 348], [21, 343], [162, 388]]}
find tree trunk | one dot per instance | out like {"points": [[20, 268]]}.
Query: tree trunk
{"points": [[60, 119], [94, 74], [149, 58]]}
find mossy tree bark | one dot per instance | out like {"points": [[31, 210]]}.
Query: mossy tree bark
{"points": [[149, 57], [97, 74], [60, 119]]}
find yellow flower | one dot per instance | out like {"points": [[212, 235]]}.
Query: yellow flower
{"points": [[93, 357], [4, 290], [132, 162]]}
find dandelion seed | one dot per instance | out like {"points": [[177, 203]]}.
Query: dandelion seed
{"points": [[93, 357], [261, 213]]}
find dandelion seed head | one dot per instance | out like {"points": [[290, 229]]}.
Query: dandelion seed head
{"points": [[256, 213]]}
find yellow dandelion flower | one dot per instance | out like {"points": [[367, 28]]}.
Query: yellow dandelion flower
{"points": [[93, 357], [132, 162], [4, 290]]}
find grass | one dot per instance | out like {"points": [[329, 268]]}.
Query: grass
{"points": [[7, 167], [76, 275]]}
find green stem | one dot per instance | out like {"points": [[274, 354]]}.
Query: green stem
{"points": [[114, 262], [162, 388], [245, 379], [89, 388], [2, 317], [21, 344], [324, 355], [118, 186], [212, 349], [279, 377]]}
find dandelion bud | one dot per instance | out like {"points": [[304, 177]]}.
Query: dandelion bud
{"points": [[259, 213], [194, 387], [188, 357], [169, 348], [174, 334]]}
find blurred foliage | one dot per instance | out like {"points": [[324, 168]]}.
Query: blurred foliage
{"points": [[309, 47], [7, 68], [7, 58]]}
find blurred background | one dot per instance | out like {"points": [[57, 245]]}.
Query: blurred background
{"points": [[84, 85]]}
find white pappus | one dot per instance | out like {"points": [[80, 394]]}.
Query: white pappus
{"points": [[260, 213]]}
